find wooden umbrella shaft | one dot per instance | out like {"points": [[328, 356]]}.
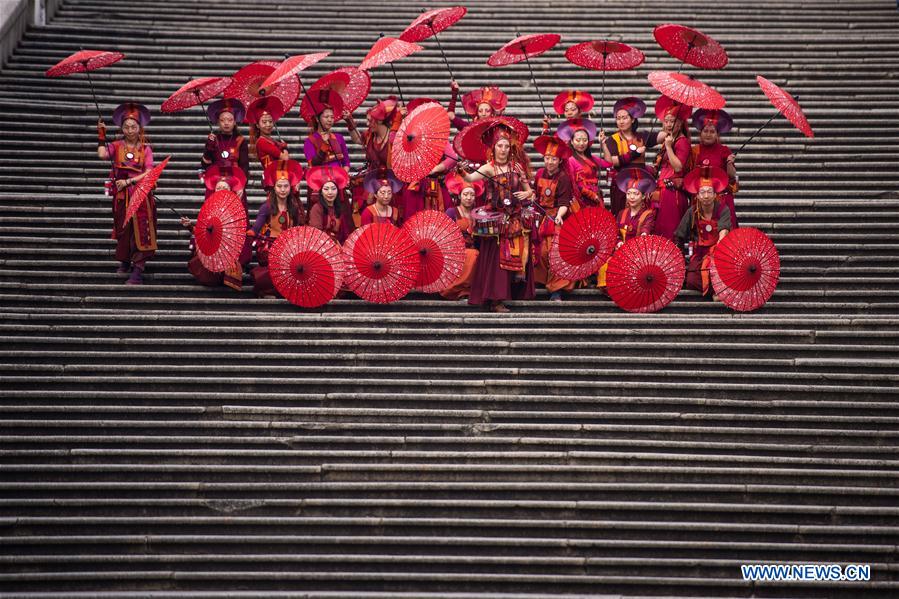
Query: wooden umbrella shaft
{"points": [[442, 53], [93, 93], [397, 79], [757, 131]]}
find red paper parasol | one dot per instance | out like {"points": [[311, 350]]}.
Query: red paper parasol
{"points": [[291, 66], [645, 274], [745, 269], [469, 143], [143, 188], [350, 83], [381, 263], [690, 46], [430, 24], [84, 61], [584, 243], [194, 93], [221, 230], [420, 142], [306, 266], [786, 104], [441, 249], [522, 48], [604, 55], [386, 50], [686, 90], [247, 82]]}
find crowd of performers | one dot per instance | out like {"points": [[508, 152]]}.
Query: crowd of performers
{"points": [[663, 181]]}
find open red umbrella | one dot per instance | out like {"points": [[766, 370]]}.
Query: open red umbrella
{"points": [[525, 47], [246, 85], [291, 66], [686, 90], [306, 266], [785, 104], [469, 143], [690, 46], [385, 51], [584, 242], [196, 93], [604, 55], [431, 23], [350, 83], [382, 263], [441, 249], [645, 274], [745, 269], [143, 188], [85, 61], [221, 230], [420, 142]]}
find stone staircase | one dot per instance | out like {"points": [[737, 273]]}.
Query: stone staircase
{"points": [[174, 441]]}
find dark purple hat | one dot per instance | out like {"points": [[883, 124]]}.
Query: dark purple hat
{"points": [[717, 118], [567, 129], [232, 105], [635, 178], [373, 182], [634, 106], [131, 110]]}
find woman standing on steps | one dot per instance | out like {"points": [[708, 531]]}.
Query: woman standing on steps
{"points": [[262, 115], [467, 193], [670, 200], [583, 166], [478, 104], [281, 211], [324, 147], [227, 148], [626, 147], [384, 120], [504, 269], [131, 158]]}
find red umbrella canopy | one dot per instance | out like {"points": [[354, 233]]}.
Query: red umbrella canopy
{"points": [[786, 104], [686, 90], [388, 49], [441, 249], [690, 46], [605, 55], [306, 266], [645, 274], [291, 66], [382, 263], [83, 61], [470, 144], [583, 244], [432, 22], [247, 83], [195, 92], [221, 230], [350, 83], [745, 269], [420, 142], [143, 188], [525, 46]]}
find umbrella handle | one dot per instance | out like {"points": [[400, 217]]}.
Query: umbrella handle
{"points": [[304, 90], [536, 87], [165, 202], [757, 131], [93, 93], [205, 113], [440, 47], [398, 88]]}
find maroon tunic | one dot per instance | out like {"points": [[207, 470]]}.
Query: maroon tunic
{"points": [[135, 239], [716, 155], [621, 147], [672, 199]]}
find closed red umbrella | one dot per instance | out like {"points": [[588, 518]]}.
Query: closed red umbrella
{"points": [[690, 46], [382, 263], [524, 48], [469, 142], [221, 230], [143, 189], [291, 66], [786, 104], [385, 51], [246, 85], [431, 23], [604, 55], [584, 242], [85, 61], [441, 249], [745, 269], [420, 142], [645, 274], [306, 266], [686, 90]]}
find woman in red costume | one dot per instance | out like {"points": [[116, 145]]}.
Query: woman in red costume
{"points": [[227, 147], [131, 158], [329, 211], [583, 167], [711, 152], [554, 194], [478, 104], [383, 189], [637, 217], [704, 225], [627, 146], [670, 199], [467, 193], [262, 115]]}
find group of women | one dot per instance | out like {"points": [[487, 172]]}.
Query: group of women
{"points": [[661, 182]]}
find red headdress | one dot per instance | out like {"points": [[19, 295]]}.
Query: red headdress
{"points": [[317, 176], [493, 96], [552, 145], [706, 176], [583, 100], [283, 169]]}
